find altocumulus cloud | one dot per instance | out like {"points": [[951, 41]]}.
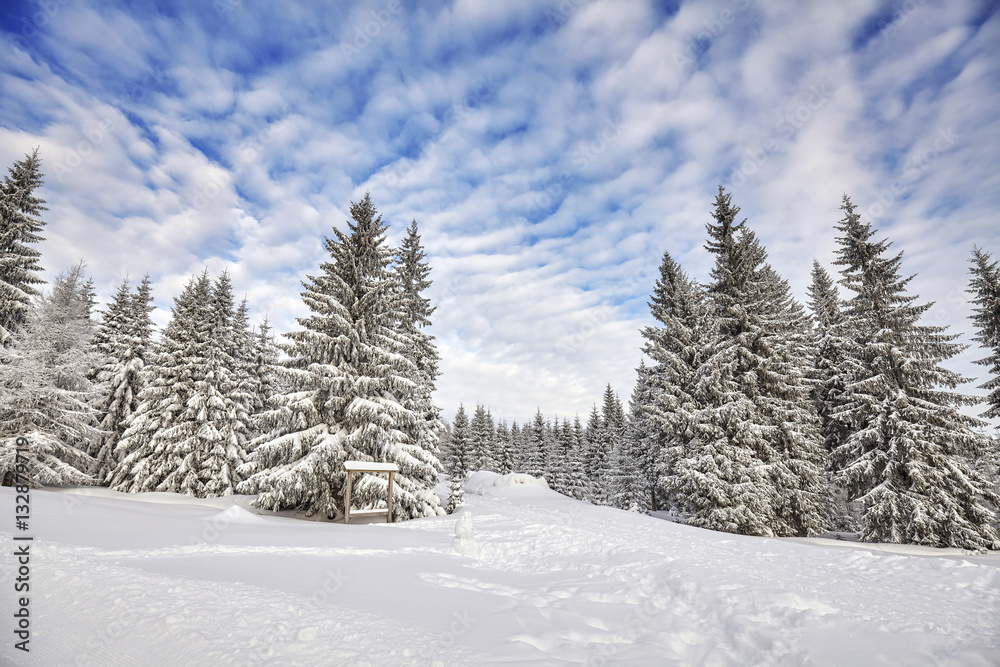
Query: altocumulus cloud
{"points": [[550, 151]]}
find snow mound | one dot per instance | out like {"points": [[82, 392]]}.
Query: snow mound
{"points": [[520, 479]]}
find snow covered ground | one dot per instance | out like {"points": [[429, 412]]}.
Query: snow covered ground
{"points": [[158, 579]]}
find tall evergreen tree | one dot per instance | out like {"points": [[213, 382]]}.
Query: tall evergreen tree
{"points": [[242, 351], [533, 441], [608, 438], [411, 273], [552, 463], [832, 345], [985, 288], [517, 447], [482, 439], [221, 404], [637, 454], [124, 339], [504, 449], [905, 457], [595, 455], [560, 444], [20, 229], [460, 454], [351, 387], [678, 345], [626, 488], [755, 464], [263, 375], [187, 434], [577, 482], [46, 394]]}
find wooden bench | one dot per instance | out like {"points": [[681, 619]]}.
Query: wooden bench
{"points": [[351, 467]]}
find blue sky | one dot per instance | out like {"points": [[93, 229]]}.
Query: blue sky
{"points": [[550, 152]]}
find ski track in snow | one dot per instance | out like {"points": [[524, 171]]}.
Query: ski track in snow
{"points": [[554, 581]]}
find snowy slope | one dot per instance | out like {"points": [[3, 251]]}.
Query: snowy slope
{"points": [[158, 579]]}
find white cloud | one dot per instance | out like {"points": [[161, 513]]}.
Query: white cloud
{"points": [[550, 153]]}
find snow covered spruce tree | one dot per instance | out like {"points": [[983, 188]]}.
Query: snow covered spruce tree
{"points": [[576, 483], [905, 456], [832, 355], [504, 449], [533, 447], [350, 380], [634, 460], [124, 338], [516, 446], [460, 455], [19, 230], [412, 272], [456, 492], [242, 352], [677, 345], [603, 436], [46, 394], [595, 456], [557, 446], [188, 433], [222, 402], [482, 440], [553, 463], [754, 464], [985, 288], [264, 355], [832, 351]]}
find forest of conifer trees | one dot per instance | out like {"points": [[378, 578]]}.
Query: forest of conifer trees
{"points": [[757, 417], [750, 413]]}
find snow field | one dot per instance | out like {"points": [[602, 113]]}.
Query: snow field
{"points": [[119, 580]]}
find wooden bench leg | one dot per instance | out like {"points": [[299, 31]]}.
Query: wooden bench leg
{"points": [[347, 502], [389, 500]]}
